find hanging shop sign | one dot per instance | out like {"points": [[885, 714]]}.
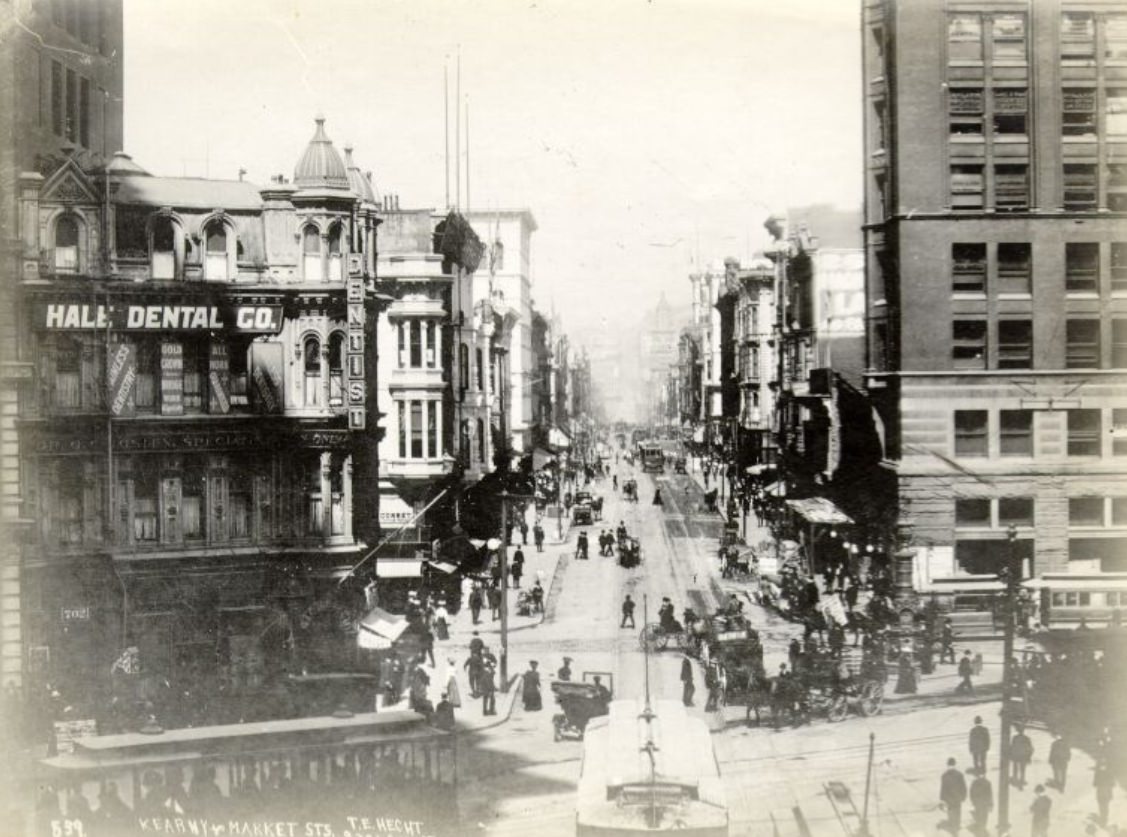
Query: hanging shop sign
{"points": [[78, 316], [122, 378], [267, 371], [357, 411]]}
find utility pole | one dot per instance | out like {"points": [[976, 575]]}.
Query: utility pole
{"points": [[1012, 576]]}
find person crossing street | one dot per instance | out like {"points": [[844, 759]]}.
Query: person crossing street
{"points": [[627, 611]]}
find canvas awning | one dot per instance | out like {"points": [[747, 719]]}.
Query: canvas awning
{"points": [[379, 629], [558, 439], [443, 567], [541, 458], [777, 488], [399, 568], [819, 510]]}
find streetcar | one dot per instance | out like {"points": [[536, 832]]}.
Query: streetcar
{"points": [[326, 770], [652, 457], [649, 770], [1063, 600]]}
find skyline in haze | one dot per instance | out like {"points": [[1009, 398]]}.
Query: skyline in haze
{"points": [[640, 135]]}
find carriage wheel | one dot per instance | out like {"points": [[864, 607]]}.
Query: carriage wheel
{"points": [[839, 709], [872, 698], [648, 637], [663, 640]]}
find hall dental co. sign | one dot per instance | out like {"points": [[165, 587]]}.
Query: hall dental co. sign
{"points": [[251, 319]]}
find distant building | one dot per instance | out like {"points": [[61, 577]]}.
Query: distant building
{"points": [[505, 282], [995, 192]]}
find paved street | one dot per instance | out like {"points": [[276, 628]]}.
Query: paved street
{"points": [[517, 780]]}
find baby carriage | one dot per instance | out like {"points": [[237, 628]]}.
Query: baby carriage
{"points": [[580, 702]]}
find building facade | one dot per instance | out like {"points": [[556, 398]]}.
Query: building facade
{"points": [[505, 285], [197, 442], [996, 291], [60, 99]]}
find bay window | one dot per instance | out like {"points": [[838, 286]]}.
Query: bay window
{"points": [[336, 258], [312, 268]]}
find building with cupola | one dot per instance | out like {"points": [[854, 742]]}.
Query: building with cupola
{"points": [[198, 438]]}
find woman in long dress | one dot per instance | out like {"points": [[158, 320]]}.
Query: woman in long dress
{"points": [[530, 690], [453, 694], [441, 621]]}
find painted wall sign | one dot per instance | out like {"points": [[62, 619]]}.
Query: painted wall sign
{"points": [[143, 439], [171, 379], [218, 379], [122, 378], [77, 316], [267, 372]]}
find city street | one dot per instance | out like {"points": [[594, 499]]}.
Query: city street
{"points": [[517, 780]]}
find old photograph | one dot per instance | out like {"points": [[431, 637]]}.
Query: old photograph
{"points": [[563, 418]]}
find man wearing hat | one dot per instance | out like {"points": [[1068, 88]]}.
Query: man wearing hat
{"points": [[488, 687], [564, 672]]}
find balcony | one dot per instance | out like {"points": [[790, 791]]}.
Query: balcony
{"points": [[417, 378], [420, 469]]}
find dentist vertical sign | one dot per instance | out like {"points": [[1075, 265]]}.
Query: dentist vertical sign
{"points": [[357, 413]]}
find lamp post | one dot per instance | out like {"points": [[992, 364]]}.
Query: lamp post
{"points": [[1011, 574]]}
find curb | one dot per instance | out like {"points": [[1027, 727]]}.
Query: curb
{"points": [[503, 717]]}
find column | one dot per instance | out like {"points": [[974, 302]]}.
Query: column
{"points": [[346, 489], [326, 495]]}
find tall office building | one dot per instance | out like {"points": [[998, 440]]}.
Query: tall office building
{"points": [[996, 249]]}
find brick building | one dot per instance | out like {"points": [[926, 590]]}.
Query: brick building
{"points": [[996, 278]]}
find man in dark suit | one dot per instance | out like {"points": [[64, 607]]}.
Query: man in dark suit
{"points": [[952, 793]]}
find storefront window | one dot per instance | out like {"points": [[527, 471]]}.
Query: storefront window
{"points": [[145, 508]]}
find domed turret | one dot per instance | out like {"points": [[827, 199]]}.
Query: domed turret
{"points": [[360, 185], [320, 166]]}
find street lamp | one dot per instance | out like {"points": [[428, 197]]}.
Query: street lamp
{"points": [[1011, 574]]}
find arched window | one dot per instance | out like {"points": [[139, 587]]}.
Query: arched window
{"points": [[336, 258], [164, 249], [480, 440], [336, 369], [66, 244], [311, 355], [311, 254], [464, 367], [215, 259]]}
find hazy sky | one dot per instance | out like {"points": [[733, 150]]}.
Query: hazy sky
{"points": [[631, 129]]}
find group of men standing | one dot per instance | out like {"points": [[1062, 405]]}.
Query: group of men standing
{"points": [[954, 792]]}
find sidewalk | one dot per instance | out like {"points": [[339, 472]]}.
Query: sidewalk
{"points": [[537, 565]]}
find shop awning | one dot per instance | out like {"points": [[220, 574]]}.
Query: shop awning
{"points": [[379, 629], [541, 458], [399, 567], [819, 510], [777, 488], [443, 567], [557, 438]]}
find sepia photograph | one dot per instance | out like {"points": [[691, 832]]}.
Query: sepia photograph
{"points": [[563, 418]]}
